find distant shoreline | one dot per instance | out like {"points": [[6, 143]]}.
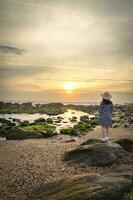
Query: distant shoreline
{"points": [[64, 103]]}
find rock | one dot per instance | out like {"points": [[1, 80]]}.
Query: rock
{"points": [[96, 153], [82, 126], [123, 170], [24, 123], [85, 187], [84, 118], [73, 119], [57, 121], [127, 144], [16, 120], [60, 118], [41, 119], [7, 122], [50, 121], [116, 125], [94, 121], [20, 134], [3, 131], [70, 131], [3, 120]]}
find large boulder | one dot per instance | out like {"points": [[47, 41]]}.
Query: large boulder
{"points": [[85, 187], [20, 134], [96, 153]]}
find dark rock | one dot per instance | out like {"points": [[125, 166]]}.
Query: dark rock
{"points": [[60, 118], [3, 120], [6, 122], [16, 120], [20, 134], [87, 187], [116, 125], [24, 123], [84, 118], [96, 153], [73, 119], [127, 144], [57, 121], [50, 121], [41, 119]]}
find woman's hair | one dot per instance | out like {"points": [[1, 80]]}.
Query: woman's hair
{"points": [[105, 101]]}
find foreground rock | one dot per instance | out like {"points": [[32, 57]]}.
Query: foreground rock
{"points": [[87, 187], [96, 153]]}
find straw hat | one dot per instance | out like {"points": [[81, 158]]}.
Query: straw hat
{"points": [[106, 95]]}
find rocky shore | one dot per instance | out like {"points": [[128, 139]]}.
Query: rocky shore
{"points": [[27, 165]]}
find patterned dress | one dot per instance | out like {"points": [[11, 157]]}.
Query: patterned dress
{"points": [[105, 113]]}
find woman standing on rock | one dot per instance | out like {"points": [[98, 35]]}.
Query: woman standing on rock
{"points": [[105, 114]]}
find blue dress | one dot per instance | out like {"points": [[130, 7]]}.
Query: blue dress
{"points": [[105, 113]]}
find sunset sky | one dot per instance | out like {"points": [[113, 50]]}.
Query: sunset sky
{"points": [[66, 50]]}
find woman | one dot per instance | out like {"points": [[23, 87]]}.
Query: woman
{"points": [[105, 114]]}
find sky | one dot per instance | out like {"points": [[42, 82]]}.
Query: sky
{"points": [[66, 50]]}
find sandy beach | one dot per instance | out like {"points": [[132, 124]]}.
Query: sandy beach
{"points": [[26, 164]]}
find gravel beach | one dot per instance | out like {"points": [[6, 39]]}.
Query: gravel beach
{"points": [[26, 164]]}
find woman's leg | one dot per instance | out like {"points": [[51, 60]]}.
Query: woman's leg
{"points": [[103, 131], [107, 132]]}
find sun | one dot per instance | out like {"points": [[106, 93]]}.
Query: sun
{"points": [[69, 87]]}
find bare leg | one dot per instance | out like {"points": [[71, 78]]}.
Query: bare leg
{"points": [[107, 132], [103, 132]]}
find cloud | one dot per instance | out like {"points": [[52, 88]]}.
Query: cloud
{"points": [[43, 6], [25, 71], [9, 49]]}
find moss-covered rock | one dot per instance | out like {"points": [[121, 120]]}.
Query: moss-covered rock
{"points": [[73, 119], [82, 126], [70, 131], [94, 121], [20, 134], [39, 127]]}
